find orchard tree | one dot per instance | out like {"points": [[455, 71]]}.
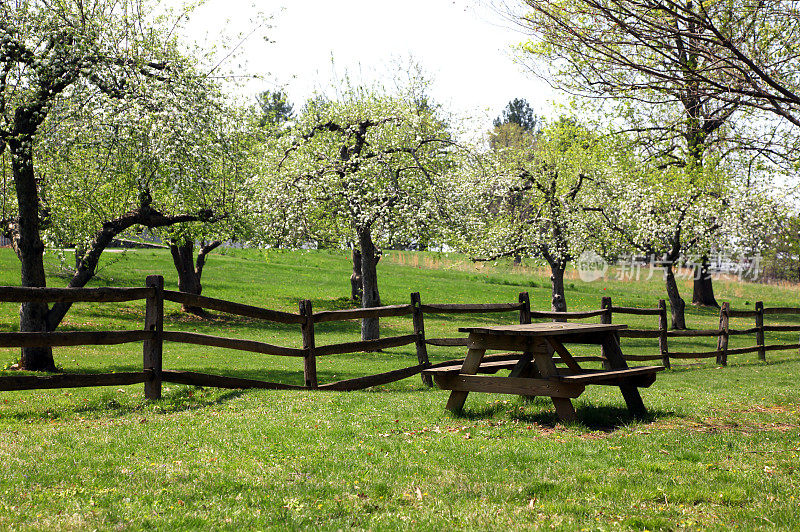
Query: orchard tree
{"points": [[362, 168], [97, 55], [676, 73], [533, 201], [663, 213]]}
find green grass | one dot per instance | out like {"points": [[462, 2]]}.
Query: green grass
{"points": [[720, 450]]}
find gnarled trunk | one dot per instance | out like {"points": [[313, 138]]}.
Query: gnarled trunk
{"points": [[676, 302], [703, 289], [370, 297], [30, 250], [558, 300], [356, 288], [190, 273]]}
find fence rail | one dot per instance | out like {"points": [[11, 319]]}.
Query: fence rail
{"points": [[153, 336]]}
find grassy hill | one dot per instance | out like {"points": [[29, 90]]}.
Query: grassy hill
{"points": [[720, 451]]}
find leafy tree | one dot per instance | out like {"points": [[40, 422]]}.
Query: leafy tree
{"points": [[533, 201], [362, 168], [275, 108], [656, 62], [95, 57], [518, 111], [662, 213]]}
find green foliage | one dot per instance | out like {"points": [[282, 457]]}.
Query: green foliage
{"points": [[275, 108], [534, 200], [366, 161], [518, 111]]}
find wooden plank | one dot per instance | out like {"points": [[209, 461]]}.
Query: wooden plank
{"points": [[366, 345], [356, 313], [643, 358], [230, 307], [685, 355], [636, 310], [470, 308], [781, 328], [751, 330], [485, 367], [361, 383], [742, 313], [20, 294], [782, 310], [616, 361], [66, 338], [491, 357], [508, 385], [567, 315], [698, 333], [639, 333], [512, 343], [543, 359], [72, 380], [565, 355], [455, 403], [219, 381], [594, 377], [781, 347], [448, 342], [231, 343], [543, 329]]}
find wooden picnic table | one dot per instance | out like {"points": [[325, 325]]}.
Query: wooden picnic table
{"points": [[534, 371]]}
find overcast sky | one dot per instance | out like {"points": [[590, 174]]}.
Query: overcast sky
{"points": [[466, 49]]}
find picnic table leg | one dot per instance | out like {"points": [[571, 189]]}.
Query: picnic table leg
{"points": [[615, 360], [543, 356], [471, 364]]}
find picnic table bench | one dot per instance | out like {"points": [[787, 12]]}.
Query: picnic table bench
{"points": [[534, 373]]}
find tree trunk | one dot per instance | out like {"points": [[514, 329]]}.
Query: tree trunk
{"points": [[703, 289], [356, 288], [188, 280], [676, 302], [189, 272], [369, 281], [30, 250], [558, 301]]}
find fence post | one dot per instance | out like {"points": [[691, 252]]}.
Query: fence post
{"points": [[722, 340], [152, 349], [662, 333], [605, 304], [525, 308], [309, 343], [419, 330], [762, 353]]}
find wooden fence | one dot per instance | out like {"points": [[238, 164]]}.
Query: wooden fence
{"points": [[153, 336]]}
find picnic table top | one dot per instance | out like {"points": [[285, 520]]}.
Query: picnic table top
{"points": [[544, 329]]}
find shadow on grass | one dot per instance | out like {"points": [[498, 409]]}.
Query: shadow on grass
{"points": [[594, 418], [110, 404]]}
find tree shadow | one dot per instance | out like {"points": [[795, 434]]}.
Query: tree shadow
{"points": [[110, 405], [603, 418]]}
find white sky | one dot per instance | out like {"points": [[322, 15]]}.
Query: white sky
{"points": [[465, 49]]}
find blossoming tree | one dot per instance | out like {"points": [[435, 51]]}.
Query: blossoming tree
{"points": [[360, 169]]}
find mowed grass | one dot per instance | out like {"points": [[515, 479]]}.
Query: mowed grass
{"points": [[720, 450]]}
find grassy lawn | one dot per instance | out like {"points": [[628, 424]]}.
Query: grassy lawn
{"points": [[719, 452]]}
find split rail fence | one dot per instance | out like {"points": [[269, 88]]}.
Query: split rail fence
{"points": [[153, 337]]}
